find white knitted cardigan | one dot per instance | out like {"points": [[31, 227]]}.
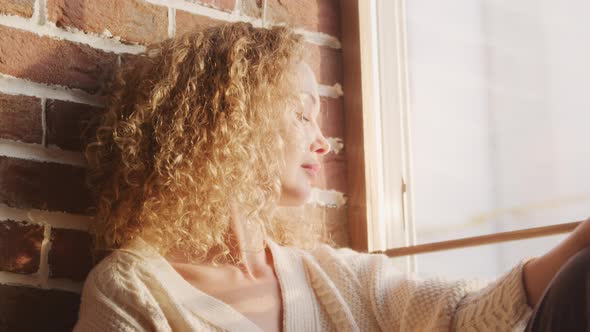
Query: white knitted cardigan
{"points": [[327, 289]]}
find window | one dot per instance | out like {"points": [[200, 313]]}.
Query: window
{"points": [[482, 116]]}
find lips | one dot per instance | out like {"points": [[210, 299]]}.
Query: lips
{"points": [[312, 169]]}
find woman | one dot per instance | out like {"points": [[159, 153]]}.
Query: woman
{"points": [[205, 142]]}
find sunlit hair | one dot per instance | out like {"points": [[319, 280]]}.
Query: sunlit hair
{"points": [[192, 124]]}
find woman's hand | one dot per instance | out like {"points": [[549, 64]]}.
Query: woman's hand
{"points": [[539, 272]]}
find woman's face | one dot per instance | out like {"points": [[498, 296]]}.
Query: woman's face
{"points": [[304, 142]]}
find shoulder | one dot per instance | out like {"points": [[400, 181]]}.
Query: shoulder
{"points": [[349, 266], [119, 280], [116, 297], [356, 261], [119, 271]]}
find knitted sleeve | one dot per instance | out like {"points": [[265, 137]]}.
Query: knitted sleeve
{"points": [[401, 302]]}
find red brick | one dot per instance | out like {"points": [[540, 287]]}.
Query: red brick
{"points": [[225, 5], [70, 255], [33, 309], [48, 186], [133, 21], [326, 63], [333, 175], [336, 223], [333, 156], [312, 15], [252, 8], [20, 118], [186, 21], [66, 122], [20, 246], [22, 8], [331, 118], [46, 60]]}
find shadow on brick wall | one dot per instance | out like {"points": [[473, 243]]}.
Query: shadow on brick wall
{"points": [[29, 184]]}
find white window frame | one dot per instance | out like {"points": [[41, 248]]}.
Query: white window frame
{"points": [[385, 82]]}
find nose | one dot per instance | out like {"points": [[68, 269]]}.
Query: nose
{"points": [[320, 145]]}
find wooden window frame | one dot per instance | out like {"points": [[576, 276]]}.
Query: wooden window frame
{"points": [[370, 167]]}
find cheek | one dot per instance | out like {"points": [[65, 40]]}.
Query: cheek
{"points": [[293, 160], [293, 175], [295, 187], [295, 142]]}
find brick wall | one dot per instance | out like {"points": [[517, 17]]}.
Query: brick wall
{"points": [[54, 57]]}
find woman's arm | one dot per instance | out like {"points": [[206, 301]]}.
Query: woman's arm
{"points": [[401, 302], [540, 271]]}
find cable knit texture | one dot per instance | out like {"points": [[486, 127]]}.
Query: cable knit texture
{"points": [[327, 289]]}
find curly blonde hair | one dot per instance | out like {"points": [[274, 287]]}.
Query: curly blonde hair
{"points": [[191, 125]]}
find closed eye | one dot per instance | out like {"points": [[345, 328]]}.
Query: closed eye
{"points": [[300, 116]]}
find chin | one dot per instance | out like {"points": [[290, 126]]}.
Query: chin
{"points": [[295, 196]]}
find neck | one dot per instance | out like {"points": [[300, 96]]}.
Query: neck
{"points": [[246, 242]]}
